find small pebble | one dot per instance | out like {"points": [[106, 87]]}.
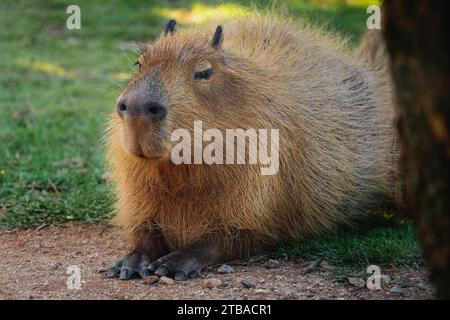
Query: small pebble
{"points": [[55, 265], [166, 281], [249, 282], [272, 264], [396, 289], [313, 265], [401, 280], [102, 270], [225, 268], [262, 291], [290, 294], [424, 286], [357, 282], [212, 283], [150, 280], [385, 279]]}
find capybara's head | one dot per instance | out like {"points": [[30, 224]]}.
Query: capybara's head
{"points": [[181, 77]]}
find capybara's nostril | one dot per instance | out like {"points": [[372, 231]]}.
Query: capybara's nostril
{"points": [[155, 111]]}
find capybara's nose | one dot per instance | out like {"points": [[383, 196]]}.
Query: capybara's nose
{"points": [[152, 110]]}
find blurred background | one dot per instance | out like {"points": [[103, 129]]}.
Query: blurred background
{"points": [[58, 86]]}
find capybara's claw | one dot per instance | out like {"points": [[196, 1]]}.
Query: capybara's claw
{"points": [[114, 271], [180, 276], [131, 266], [162, 271], [153, 266], [179, 264]]}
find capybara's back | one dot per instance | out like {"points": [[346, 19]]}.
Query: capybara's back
{"points": [[337, 143]]}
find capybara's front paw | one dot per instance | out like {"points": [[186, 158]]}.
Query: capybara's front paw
{"points": [[132, 265], [179, 264]]}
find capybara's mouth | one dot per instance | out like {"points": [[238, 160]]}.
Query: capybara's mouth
{"points": [[144, 142], [147, 151], [151, 157]]}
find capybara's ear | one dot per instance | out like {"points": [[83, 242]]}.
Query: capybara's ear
{"points": [[217, 38], [170, 27]]}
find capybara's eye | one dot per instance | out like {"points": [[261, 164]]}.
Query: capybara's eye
{"points": [[205, 75], [137, 63]]}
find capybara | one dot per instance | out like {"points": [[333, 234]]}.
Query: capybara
{"points": [[337, 144]]}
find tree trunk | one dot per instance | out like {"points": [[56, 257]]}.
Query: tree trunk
{"points": [[416, 34]]}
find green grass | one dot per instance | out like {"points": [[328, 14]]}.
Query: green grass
{"points": [[390, 243], [57, 86]]}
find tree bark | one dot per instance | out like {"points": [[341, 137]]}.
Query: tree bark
{"points": [[416, 34]]}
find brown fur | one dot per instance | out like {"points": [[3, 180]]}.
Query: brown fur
{"points": [[338, 149]]}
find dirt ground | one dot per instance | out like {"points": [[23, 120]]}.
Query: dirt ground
{"points": [[35, 263]]}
